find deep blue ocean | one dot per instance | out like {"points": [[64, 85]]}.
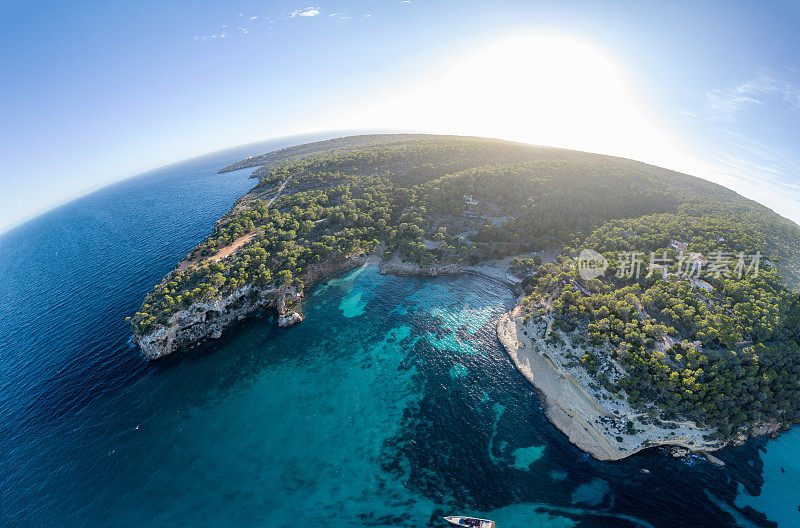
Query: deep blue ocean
{"points": [[391, 405]]}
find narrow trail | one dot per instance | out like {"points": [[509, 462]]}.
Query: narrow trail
{"points": [[280, 190], [239, 242]]}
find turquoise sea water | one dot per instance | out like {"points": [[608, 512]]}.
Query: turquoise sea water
{"points": [[392, 404]]}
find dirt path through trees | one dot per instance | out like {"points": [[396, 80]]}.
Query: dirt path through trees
{"points": [[239, 242]]}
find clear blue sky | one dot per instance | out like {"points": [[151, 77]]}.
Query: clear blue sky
{"points": [[96, 91]]}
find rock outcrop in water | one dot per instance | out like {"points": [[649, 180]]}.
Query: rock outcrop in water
{"points": [[209, 319], [289, 319]]}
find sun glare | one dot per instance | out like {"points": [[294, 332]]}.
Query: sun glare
{"points": [[543, 90]]}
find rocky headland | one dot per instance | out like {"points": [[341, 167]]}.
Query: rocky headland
{"points": [[604, 426], [209, 319]]}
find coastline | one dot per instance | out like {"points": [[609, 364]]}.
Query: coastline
{"points": [[401, 268], [208, 320], [496, 270], [599, 427]]}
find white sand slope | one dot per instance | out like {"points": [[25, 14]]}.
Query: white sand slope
{"points": [[593, 421]]}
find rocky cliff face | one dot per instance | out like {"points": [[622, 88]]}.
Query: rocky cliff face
{"points": [[402, 268], [771, 429], [209, 319], [598, 426], [205, 320]]}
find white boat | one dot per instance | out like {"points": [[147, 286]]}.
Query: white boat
{"points": [[469, 522]]}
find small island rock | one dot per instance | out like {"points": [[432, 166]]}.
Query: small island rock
{"points": [[289, 319]]}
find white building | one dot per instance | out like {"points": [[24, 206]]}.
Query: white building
{"points": [[678, 245], [697, 283]]}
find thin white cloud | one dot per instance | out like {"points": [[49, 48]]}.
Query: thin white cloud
{"points": [[761, 172], [307, 12], [792, 96], [215, 36], [727, 103], [238, 28]]}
